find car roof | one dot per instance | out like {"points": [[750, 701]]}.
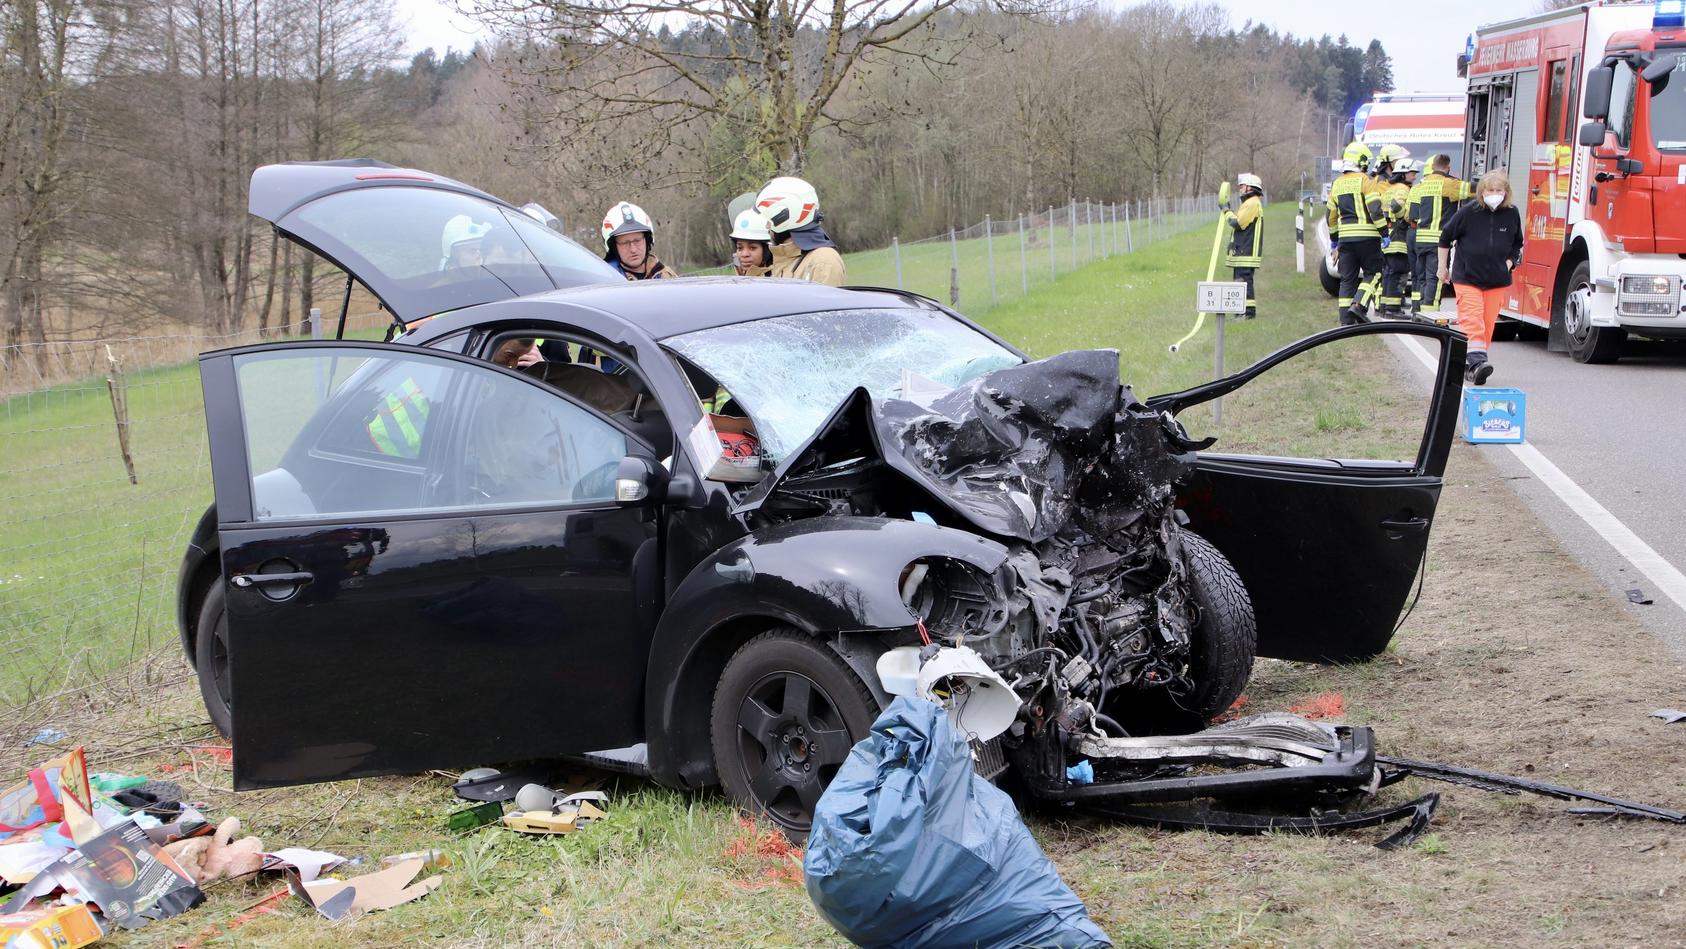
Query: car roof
{"points": [[673, 307]]}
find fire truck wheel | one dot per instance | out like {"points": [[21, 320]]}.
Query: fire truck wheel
{"points": [[1588, 343]]}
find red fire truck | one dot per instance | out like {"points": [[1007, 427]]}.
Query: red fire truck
{"points": [[1604, 202]]}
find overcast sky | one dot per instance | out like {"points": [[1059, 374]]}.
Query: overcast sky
{"points": [[1424, 37]]}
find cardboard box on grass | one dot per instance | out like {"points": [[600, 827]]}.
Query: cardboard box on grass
{"points": [[337, 899], [51, 927]]}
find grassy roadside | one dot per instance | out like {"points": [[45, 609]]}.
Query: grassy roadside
{"points": [[1492, 670]]}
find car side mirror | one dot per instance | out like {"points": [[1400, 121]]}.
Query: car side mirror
{"points": [[639, 481], [1598, 82], [1592, 134]]}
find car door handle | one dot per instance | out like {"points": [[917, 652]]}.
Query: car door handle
{"points": [[1406, 525], [265, 579]]}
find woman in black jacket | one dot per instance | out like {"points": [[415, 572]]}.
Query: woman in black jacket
{"points": [[1488, 234]]}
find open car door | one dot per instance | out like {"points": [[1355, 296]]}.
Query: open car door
{"points": [[1322, 485], [423, 561]]}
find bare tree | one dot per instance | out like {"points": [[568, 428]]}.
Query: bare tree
{"points": [[773, 68]]}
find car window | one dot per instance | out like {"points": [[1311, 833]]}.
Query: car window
{"points": [[790, 372], [347, 430]]}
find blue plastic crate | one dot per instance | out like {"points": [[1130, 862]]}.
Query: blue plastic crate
{"points": [[1494, 415]]}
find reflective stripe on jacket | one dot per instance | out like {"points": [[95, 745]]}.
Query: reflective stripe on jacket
{"points": [[1355, 207], [1434, 200], [1246, 244], [399, 421], [1398, 202]]}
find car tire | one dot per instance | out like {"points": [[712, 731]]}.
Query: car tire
{"points": [[1331, 282], [1226, 636], [210, 655], [787, 711], [1587, 343]]}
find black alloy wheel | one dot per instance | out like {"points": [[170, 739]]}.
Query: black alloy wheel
{"points": [[786, 714]]}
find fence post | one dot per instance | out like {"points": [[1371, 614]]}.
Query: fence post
{"points": [[118, 389], [896, 251], [1024, 266], [953, 270], [1072, 216], [1053, 266], [1129, 240], [989, 247], [1089, 225]]}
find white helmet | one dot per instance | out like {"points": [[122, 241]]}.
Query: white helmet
{"points": [[625, 218], [1251, 181], [460, 229], [750, 226], [787, 204]]}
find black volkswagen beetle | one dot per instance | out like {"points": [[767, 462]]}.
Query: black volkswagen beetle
{"points": [[681, 524]]}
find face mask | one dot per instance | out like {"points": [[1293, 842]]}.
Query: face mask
{"points": [[1493, 200]]}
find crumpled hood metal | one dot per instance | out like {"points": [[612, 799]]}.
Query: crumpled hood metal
{"points": [[1015, 453]]}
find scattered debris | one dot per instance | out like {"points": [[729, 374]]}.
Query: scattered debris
{"points": [[1504, 784], [60, 927], [46, 736], [1322, 706], [775, 859], [1669, 715], [1204, 817], [208, 859], [491, 784], [309, 864], [543, 811], [384, 889], [247, 913], [478, 815], [1637, 595]]}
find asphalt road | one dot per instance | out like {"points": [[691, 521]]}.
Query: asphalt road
{"points": [[1618, 431]]}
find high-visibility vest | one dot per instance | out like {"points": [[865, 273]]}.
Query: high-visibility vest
{"points": [[1398, 197], [1355, 207], [1246, 245], [399, 421], [1434, 199]]}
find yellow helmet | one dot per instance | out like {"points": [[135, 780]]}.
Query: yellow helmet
{"points": [[1356, 157], [1393, 154]]}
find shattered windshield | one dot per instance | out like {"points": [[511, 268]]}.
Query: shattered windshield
{"points": [[789, 372]]}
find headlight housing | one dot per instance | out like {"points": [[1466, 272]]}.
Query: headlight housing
{"points": [[1648, 295]]}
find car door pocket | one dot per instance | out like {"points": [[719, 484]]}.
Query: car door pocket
{"points": [[1404, 523]]}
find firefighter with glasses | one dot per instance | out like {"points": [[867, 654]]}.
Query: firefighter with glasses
{"points": [[1355, 215], [629, 243], [1246, 243], [1434, 199]]}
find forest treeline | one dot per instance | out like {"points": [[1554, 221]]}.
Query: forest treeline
{"points": [[129, 129]]}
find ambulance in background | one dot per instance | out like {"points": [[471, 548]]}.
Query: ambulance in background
{"points": [[1426, 123], [1603, 201]]}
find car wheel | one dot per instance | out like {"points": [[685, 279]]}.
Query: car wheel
{"points": [[786, 713], [1587, 343], [1226, 636], [1331, 282], [210, 654]]}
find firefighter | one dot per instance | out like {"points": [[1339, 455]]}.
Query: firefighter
{"points": [[629, 242], [1434, 199], [752, 246], [1246, 242], [1396, 257], [1369, 292], [398, 421], [1354, 213], [801, 248]]}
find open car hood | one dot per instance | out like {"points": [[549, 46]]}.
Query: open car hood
{"points": [[1014, 453], [394, 230]]}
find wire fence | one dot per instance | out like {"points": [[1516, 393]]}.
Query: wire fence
{"points": [[105, 469]]}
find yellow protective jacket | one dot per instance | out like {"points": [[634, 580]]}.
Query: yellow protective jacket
{"points": [[1434, 199], [1355, 208], [1246, 242], [1397, 204], [821, 265]]}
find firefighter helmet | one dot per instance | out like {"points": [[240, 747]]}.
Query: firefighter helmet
{"points": [[1393, 154], [1356, 157], [1249, 181], [626, 218], [787, 204], [750, 226], [460, 229]]}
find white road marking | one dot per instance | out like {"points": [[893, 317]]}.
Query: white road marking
{"points": [[1624, 541]]}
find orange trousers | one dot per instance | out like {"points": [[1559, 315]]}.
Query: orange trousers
{"points": [[1478, 310]]}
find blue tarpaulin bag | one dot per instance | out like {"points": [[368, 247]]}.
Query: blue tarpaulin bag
{"points": [[910, 848]]}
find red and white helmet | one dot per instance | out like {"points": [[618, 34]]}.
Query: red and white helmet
{"points": [[787, 204], [625, 218]]}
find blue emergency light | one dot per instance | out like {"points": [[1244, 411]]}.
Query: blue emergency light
{"points": [[1668, 13]]}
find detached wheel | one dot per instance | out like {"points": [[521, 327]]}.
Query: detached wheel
{"points": [[210, 655], [1331, 282], [1226, 637], [1588, 343], [786, 713]]}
